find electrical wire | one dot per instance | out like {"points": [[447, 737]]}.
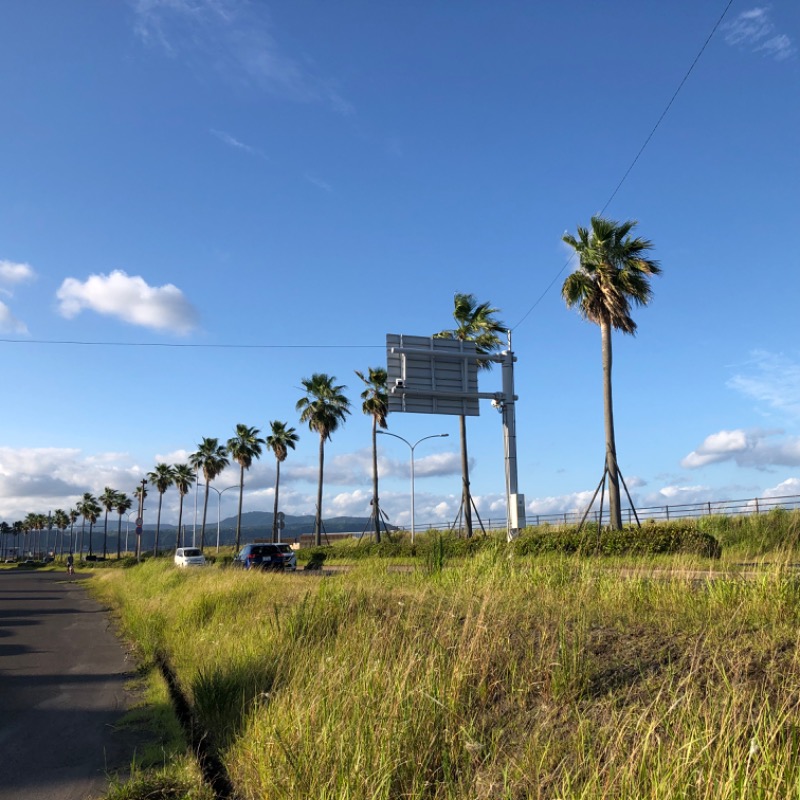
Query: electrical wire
{"points": [[361, 347], [638, 155], [198, 346]]}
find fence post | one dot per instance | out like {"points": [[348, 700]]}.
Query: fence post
{"points": [[666, 509], [757, 510], [709, 508]]}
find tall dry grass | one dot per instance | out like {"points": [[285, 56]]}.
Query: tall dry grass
{"points": [[498, 678]]}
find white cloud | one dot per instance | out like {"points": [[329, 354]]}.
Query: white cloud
{"points": [[746, 448], [39, 480], [789, 487], [9, 323], [130, 299], [754, 30], [234, 37], [11, 272]]}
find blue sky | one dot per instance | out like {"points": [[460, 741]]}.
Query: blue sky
{"points": [[229, 196]]}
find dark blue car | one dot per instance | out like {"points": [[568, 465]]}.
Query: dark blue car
{"points": [[266, 557]]}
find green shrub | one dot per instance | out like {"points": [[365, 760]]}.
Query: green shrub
{"points": [[400, 546], [650, 539]]}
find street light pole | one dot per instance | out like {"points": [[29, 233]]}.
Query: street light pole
{"points": [[219, 502], [412, 447]]}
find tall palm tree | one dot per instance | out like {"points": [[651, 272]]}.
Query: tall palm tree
{"points": [[475, 322], [162, 478], [324, 408], [90, 511], [28, 527], [212, 458], [123, 506], [5, 530], [376, 405], [17, 527], [108, 499], [280, 441], [183, 480], [60, 520], [87, 498], [612, 273], [244, 446], [73, 515]]}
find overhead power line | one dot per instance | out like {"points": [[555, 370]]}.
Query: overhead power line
{"points": [[637, 156], [198, 346]]}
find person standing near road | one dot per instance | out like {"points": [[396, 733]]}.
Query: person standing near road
{"points": [[70, 565]]}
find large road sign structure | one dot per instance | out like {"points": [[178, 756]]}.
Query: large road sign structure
{"points": [[428, 375]]}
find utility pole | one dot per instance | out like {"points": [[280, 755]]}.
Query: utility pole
{"points": [[140, 521]]}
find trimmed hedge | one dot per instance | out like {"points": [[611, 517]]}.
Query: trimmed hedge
{"points": [[444, 544], [650, 539]]}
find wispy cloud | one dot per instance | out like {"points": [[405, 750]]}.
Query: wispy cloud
{"points": [[9, 323], [236, 144], [12, 273], [772, 379], [754, 30], [318, 182], [235, 37], [130, 299]]}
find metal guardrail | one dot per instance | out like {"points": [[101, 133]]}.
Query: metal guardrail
{"points": [[730, 508]]}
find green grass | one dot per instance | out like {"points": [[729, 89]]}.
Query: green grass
{"points": [[489, 675]]}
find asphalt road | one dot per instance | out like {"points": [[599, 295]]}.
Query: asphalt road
{"points": [[62, 690]]}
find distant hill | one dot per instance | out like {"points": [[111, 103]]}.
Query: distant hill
{"points": [[255, 525]]}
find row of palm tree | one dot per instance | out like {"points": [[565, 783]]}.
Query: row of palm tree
{"points": [[612, 274]]}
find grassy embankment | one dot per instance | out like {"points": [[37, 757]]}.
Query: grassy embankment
{"points": [[548, 677]]}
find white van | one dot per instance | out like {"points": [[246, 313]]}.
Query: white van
{"points": [[189, 557]]}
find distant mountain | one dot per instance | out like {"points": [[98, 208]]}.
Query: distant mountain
{"points": [[255, 525]]}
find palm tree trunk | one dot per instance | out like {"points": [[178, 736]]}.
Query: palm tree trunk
{"points": [[239, 515], [614, 507], [375, 509], [119, 537], [91, 528], [467, 497], [318, 518], [105, 537], [275, 507]]}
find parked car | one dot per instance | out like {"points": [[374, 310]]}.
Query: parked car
{"points": [[189, 557], [266, 556]]}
